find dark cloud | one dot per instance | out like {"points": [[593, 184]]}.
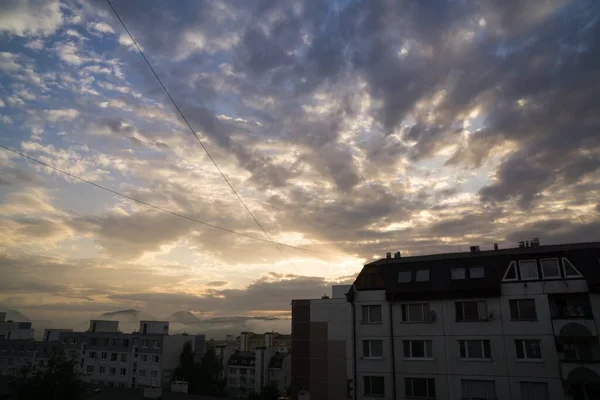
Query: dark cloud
{"points": [[217, 283]]}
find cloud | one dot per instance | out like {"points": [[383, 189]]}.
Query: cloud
{"points": [[101, 27], [60, 115], [36, 44], [30, 17]]}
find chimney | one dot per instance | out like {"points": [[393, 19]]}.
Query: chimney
{"points": [[397, 254], [535, 242], [495, 246], [527, 243], [521, 245], [475, 249], [388, 255]]}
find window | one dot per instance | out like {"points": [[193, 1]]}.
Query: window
{"points": [[115, 342], [157, 344], [371, 314], [528, 349], [142, 373], [471, 311], [102, 370], [534, 391], [569, 269], [475, 349], [575, 305], [112, 370], [528, 269], [123, 357], [92, 354], [422, 275], [476, 272], [404, 276], [457, 273], [372, 348], [422, 388], [155, 359], [90, 369], [93, 341], [417, 348], [123, 371], [233, 370], [374, 386], [550, 268], [125, 342], [104, 355], [522, 310], [73, 340], [114, 356], [153, 374], [576, 350], [144, 357], [478, 390], [511, 272], [105, 341], [144, 343], [416, 312]]}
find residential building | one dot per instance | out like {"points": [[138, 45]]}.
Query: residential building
{"points": [[147, 358], [241, 376], [321, 359], [250, 341], [519, 323], [280, 372], [15, 330]]}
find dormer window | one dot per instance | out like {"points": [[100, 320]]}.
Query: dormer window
{"points": [[528, 270], [550, 268], [404, 276], [422, 275]]}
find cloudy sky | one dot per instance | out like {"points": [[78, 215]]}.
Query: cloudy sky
{"points": [[350, 128]]}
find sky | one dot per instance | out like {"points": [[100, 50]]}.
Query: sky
{"points": [[348, 128]]}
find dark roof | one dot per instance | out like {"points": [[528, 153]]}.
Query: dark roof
{"points": [[242, 358], [277, 360], [383, 274]]}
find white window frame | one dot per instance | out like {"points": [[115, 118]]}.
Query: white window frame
{"points": [[369, 343], [479, 312], [535, 318], [527, 396], [90, 369], [513, 265], [412, 394], [370, 392], [404, 308], [537, 272], [559, 268], [155, 359], [144, 358], [481, 344], [425, 348], [402, 275], [524, 348], [455, 274], [102, 370], [368, 321], [476, 268], [484, 381], [112, 371], [566, 262], [153, 374], [104, 355]]}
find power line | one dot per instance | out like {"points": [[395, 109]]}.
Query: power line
{"points": [[198, 138], [176, 214]]}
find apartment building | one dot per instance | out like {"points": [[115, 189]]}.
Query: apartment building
{"points": [[321, 359], [519, 323], [250, 341], [280, 371], [14, 330]]}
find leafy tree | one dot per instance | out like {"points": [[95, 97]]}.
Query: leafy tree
{"points": [[209, 374], [204, 377], [269, 392], [59, 380]]}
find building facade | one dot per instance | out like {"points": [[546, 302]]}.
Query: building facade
{"points": [[321, 359], [519, 323]]}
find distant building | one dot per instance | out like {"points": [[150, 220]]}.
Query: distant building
{"points": [[15, 330], [105, 355], [321, 362], [249, 341], [280, 371]]}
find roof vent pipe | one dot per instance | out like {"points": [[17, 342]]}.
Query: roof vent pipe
{"points": [[527, 243], [388, 255], [474, 249], [535, 242], [495, 246], [397, 254], [521, 245]]}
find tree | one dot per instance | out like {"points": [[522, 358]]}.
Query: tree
{"points": [[209, 374], [204, 377], [269, 392], [59, 380]]}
